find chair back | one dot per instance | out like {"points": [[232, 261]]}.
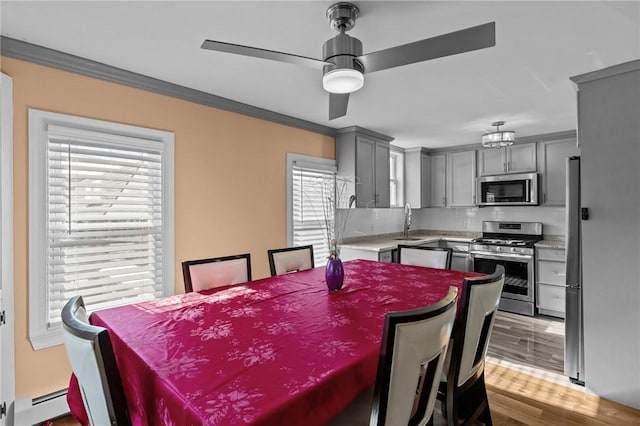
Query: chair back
{"points": [[412, 355], [290, 259], [94, 365], [432, 257], [204, 274], [478, 306]]}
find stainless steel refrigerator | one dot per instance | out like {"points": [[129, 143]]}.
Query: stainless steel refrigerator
{"points": [[574, 336]]}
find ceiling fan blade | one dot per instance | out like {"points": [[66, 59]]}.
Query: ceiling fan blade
{"points": [[466, 40], [255, 52], [338, 105]]}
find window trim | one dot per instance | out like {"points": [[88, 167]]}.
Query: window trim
{"points": [[312, 162], [399, 177], [40, 334], [7, 360]]}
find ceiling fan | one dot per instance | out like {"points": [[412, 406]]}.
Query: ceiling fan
{"points": [[344, 64]]}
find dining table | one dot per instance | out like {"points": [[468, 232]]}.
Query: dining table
{"points": [[282, 350]]}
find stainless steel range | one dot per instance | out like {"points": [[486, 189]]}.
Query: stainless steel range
{"points": [[510, 244]]}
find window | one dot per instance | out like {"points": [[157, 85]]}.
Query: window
{"points": [[100, 217], [396, 178], [309, 180]]}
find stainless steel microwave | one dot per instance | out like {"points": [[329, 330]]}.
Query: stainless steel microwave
{"points": [[508, 190]]}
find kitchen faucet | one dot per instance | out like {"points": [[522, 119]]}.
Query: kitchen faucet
{"points": [[407, 220]]}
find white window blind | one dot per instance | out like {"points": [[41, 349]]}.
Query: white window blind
{"points": [[105, 217], [313, 215], [101, 216]]}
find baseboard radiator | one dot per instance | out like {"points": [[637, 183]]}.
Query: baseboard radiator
{"points": [[35, 411]]}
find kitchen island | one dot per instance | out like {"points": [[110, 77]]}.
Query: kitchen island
{"points": [[384, 247]]}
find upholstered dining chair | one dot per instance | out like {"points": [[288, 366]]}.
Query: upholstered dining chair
{"points": [[432, 257], [412, 356], [94, 365], [462, 390], [290, 259], [203, 274]]}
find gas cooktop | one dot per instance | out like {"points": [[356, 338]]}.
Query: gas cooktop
{"points": [[511, 237], [505, 242]]}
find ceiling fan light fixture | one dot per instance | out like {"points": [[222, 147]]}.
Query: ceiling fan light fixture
{"points": [[344, 80], [499, 138]]}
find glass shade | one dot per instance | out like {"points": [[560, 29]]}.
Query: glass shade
{"points": [[498, 139], [342, 81]]}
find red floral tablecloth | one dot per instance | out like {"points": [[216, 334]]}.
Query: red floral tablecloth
{"points": [[276, 351]]}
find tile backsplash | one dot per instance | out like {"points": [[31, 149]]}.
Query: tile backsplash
{"points": [[382, 221], [374, 221], [471, 218]]}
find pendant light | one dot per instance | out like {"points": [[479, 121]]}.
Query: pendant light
{"points": [[499, 138]]}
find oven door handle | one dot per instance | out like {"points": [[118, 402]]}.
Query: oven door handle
{"points": [[500, 256]]}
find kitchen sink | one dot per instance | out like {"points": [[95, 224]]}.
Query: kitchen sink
{"points": [[408, 239]]}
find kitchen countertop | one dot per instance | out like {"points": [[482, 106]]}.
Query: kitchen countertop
{"points": [[386, 242], [551, 241], [390, 241]]}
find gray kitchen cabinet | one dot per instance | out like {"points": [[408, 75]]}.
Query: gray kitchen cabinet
{"points": [[461, 179], [460, 261], [364, 154], [518, 158], [459, 255], [550, 281], [438, 163], [491, 161], [553, 164], [417, 168]]}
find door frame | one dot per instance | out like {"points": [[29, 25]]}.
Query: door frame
{"points": [[7, 364]]}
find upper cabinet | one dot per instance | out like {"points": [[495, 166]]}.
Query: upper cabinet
{"points": [[438, 176], [461, 179], [418, 183], [519, 158], [447, 178], [364, 154], [453, 179], [553, 164]]}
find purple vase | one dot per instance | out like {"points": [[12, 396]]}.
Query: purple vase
{"points": [[334, 274]]}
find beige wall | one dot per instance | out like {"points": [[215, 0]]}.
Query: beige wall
{"points": [[229, 183]]}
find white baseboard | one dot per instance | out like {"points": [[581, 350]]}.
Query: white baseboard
{"points": [[32, 412]]}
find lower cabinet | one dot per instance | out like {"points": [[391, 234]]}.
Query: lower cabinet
{"points": [[347, 253], [460, 261], [460, 255], [550, 281]]}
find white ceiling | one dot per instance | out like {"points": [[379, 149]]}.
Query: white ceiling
{"points": [[523, 80]]}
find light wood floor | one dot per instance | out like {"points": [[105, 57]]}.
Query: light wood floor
{"points": [[536, 342], [520, 399]]}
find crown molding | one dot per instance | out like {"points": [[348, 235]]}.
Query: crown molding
{"points": [[36, 54], [607, 72], [519, 140], [363, 131]]}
